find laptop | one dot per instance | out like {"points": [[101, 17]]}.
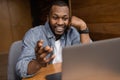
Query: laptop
{"points": [[99, 60]]}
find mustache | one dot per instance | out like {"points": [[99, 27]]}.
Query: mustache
{"points": [[60, 25]]}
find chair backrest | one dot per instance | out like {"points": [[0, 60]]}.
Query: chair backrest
{"points": [[14, 53]]}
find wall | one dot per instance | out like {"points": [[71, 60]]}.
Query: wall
{"points": [[101, 16], [15, 20], [40, 10]]}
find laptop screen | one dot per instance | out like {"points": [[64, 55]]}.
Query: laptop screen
{"points": [[99, 60]]}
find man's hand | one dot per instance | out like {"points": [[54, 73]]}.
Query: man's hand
{"points": [[40, 61], [41, 53], [78, 23]]}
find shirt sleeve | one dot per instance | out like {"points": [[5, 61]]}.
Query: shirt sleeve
{"points": [[75, 36], [27, 54]]}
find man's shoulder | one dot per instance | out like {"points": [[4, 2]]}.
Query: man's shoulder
{"points": [[35, 32], [36, 29]]}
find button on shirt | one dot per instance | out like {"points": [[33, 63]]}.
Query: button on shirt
{"points": [[42, 32]]}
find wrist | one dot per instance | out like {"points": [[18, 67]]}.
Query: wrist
{"points": [[84, 31], [38, 65]]}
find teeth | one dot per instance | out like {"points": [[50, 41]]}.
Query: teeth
{"points": [[59, 28]]}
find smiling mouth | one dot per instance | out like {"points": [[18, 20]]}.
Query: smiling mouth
{"points": [[59, 29]]}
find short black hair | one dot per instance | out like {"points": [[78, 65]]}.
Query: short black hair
{"points": [[59, 3]]}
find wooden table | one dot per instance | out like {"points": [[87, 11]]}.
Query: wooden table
{"points": [[50, 69], [86, 74]]}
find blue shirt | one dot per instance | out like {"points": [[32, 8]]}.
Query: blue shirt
{"points": [[42, 32]]}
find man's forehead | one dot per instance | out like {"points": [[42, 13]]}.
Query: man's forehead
{"points": [[60, 9]]}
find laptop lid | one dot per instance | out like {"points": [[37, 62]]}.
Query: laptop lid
{"points": [[99, 60]]}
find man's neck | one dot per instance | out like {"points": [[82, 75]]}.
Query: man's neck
{"points": [[57, 37]]}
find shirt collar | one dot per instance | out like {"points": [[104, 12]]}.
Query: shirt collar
{"points": [[49, 31]]}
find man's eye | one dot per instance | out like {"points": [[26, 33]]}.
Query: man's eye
{"points": [[55, 17], [65, 19]]}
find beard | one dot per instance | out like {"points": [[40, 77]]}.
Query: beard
{"points": [[58, 31]]}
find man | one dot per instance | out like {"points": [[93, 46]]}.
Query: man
{"points": [[43, 44]]}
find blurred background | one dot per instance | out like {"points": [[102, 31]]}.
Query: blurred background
{"points": [[17, 16]]}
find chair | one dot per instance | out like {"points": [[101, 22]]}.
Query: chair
{"points": [[14, 52]]}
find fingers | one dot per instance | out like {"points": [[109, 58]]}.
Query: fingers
{"points": [[41, 53], [39, 46], [49, 59], [40, 43], [48, 49], [45, 52], [46, 61]]}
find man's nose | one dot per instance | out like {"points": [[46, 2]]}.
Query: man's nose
{"points": [[60, 22]]}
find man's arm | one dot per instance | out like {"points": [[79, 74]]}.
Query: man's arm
{"points": [[40, 60], [80, 25], [84, 37], [31, 58]]}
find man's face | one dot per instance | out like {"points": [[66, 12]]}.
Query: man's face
{"points": [[59, 19]]}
